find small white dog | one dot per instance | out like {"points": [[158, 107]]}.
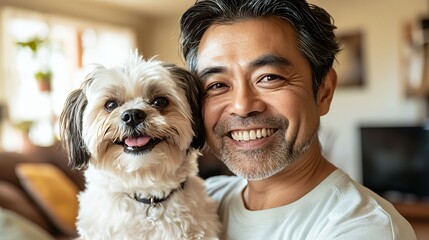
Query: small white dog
{"points": [[137, 130]]}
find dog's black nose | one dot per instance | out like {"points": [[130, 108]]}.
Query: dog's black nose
{"points": [[133, 117]]}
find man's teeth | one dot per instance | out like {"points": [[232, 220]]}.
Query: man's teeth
{"points": [[252, 134]]}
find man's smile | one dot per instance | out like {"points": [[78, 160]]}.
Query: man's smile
{"points": [[249, 135]]}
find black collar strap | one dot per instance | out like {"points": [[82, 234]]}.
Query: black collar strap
{"points": [[154, 200]]}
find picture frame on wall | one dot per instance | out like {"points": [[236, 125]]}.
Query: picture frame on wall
{"points": [[350, 65], [415, 57]]}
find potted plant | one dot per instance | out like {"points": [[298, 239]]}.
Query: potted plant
{"points": [[44, 79], [33, 43]]}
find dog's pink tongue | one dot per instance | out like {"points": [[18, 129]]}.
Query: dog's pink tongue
{"points": [[137, 142]]}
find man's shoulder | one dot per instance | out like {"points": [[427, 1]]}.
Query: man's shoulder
{"points": [[219, 186], [355, 207], [345, 193]]}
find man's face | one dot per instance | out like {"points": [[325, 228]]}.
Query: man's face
{"points": [[260, 114]]}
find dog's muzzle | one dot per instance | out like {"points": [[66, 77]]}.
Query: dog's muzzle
{"points": [[137, 143]]}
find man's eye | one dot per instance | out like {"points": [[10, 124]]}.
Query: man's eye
{"points": [[160, 102], [215, 86], [110, 105], [271, 77]]}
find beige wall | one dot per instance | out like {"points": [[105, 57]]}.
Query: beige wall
{"points": [[90, 11], [163, 39]]}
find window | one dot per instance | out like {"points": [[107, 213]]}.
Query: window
{"points": [[56, 48]]}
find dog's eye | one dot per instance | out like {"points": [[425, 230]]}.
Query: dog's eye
{"points": [[110, 105], [160, 102]]}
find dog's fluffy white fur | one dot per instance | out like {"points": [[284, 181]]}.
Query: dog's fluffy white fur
{"points": [[137, 131]]}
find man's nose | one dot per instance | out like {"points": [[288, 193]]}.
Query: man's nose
{"points": [[246, 100]]}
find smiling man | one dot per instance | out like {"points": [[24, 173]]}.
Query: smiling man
{"points": [[266, 67]]}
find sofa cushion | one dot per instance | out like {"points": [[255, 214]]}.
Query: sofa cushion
{"points": [[13, 198], [53, 191], [15, 226]]}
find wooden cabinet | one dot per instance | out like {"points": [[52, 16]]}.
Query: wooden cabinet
{"points": [[418, 215]]}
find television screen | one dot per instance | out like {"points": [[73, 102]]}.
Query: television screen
{"points": [[395, 162]]}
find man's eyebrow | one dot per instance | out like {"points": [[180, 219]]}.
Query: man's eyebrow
{"points": [[270, 59], [206, 72]]}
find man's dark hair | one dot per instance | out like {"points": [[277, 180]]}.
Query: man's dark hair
{"points": [[314, 27]]}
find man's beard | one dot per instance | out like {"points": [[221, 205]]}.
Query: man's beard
{"points": [[264, 162]]}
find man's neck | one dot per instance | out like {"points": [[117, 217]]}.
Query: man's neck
{"points": [[289, 185]]}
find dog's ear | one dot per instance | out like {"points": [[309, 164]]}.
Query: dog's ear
{"points": [[71, 129], [194, 94]]}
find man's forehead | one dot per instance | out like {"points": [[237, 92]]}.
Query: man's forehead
{"points": [[245, 41]]}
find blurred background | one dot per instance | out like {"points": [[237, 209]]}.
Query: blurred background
{"points": [[376, 129]]}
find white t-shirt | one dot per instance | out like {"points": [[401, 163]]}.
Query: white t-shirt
{"points": [[338, 208]]}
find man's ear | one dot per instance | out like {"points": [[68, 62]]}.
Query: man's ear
{"points": [[326, 92]]}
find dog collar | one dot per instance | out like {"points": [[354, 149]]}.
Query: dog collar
{"points": [[155, 209], [154, 200]]}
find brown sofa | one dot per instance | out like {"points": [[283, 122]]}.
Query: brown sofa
{"points": [[15, 195]]}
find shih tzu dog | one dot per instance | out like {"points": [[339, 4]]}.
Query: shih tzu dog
{"points": [[137, 131]]}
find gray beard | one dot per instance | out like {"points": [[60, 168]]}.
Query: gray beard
{"points": [[267, 161]]}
